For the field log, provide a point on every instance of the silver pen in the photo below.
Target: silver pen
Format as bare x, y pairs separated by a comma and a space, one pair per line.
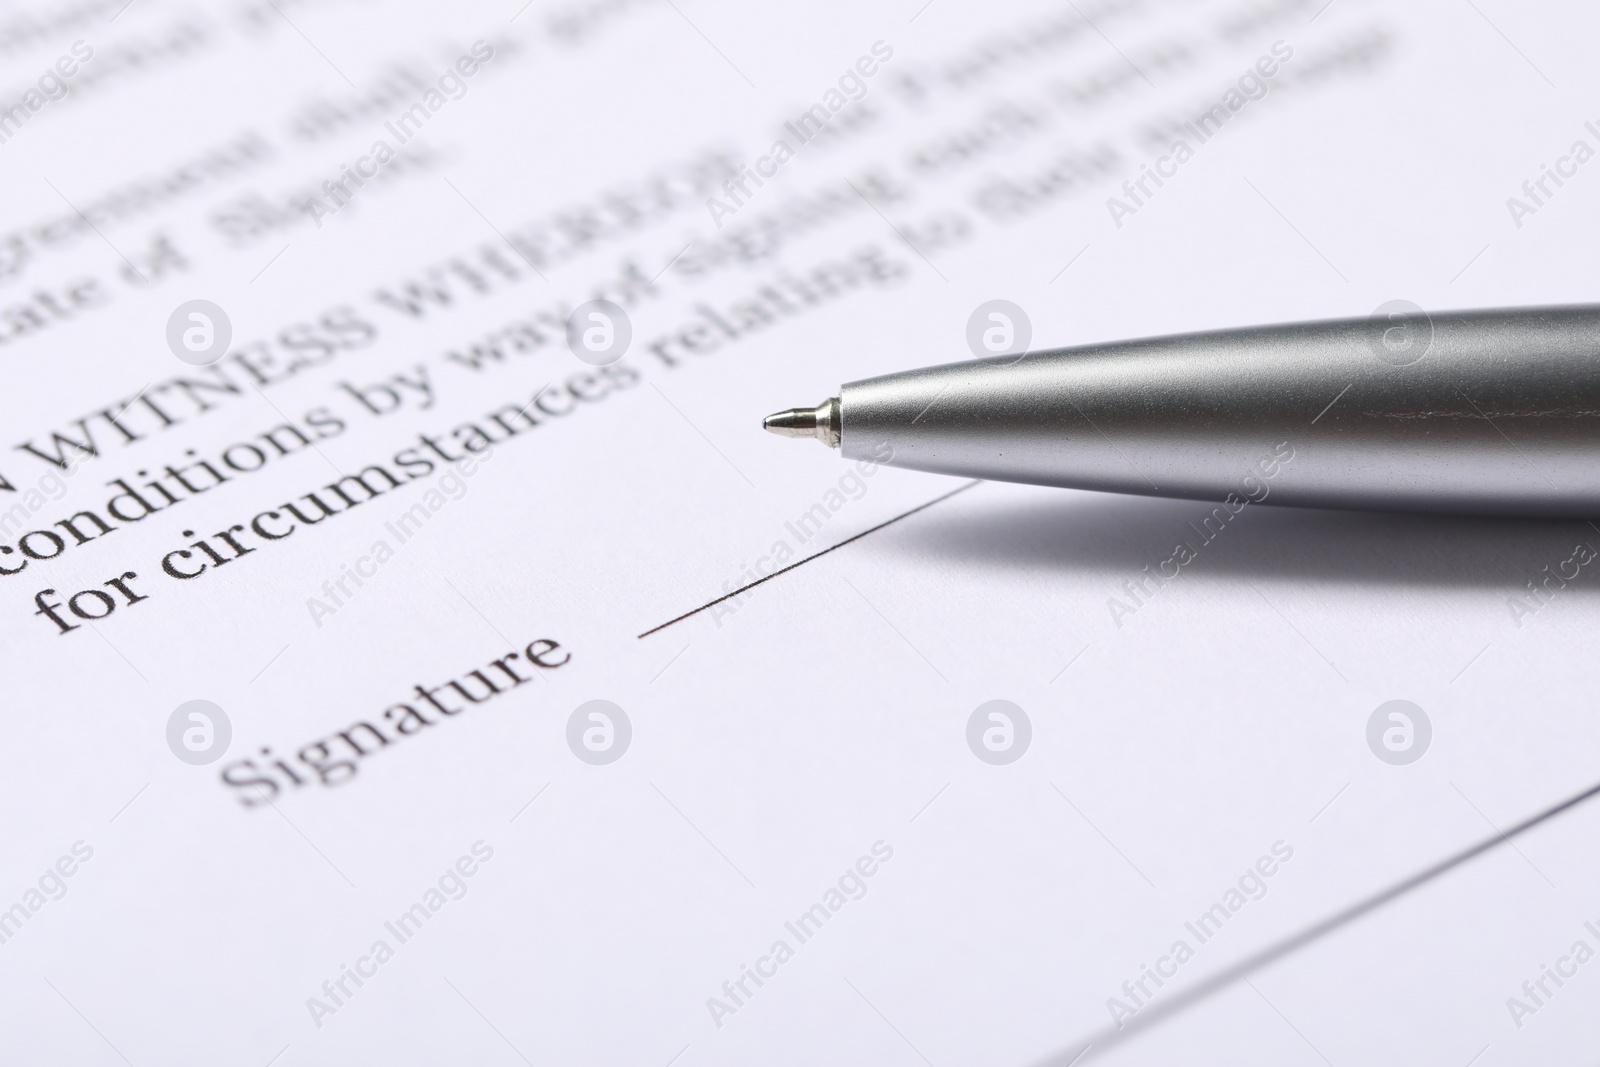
1474, 412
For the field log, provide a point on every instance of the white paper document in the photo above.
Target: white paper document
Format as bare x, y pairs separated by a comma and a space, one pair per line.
416, 652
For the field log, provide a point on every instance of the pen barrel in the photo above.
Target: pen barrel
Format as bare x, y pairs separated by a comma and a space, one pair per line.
1487, 412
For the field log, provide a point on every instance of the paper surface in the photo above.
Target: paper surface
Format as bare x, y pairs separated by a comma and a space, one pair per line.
797, 831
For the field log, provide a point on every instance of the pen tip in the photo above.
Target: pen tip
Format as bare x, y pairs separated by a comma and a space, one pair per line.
820, 422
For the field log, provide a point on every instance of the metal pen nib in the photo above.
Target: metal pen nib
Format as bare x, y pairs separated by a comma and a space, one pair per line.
821, 422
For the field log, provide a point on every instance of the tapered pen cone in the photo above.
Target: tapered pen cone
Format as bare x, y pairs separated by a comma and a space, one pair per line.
820, 422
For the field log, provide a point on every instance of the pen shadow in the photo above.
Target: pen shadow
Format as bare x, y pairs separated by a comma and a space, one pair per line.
1100, 532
